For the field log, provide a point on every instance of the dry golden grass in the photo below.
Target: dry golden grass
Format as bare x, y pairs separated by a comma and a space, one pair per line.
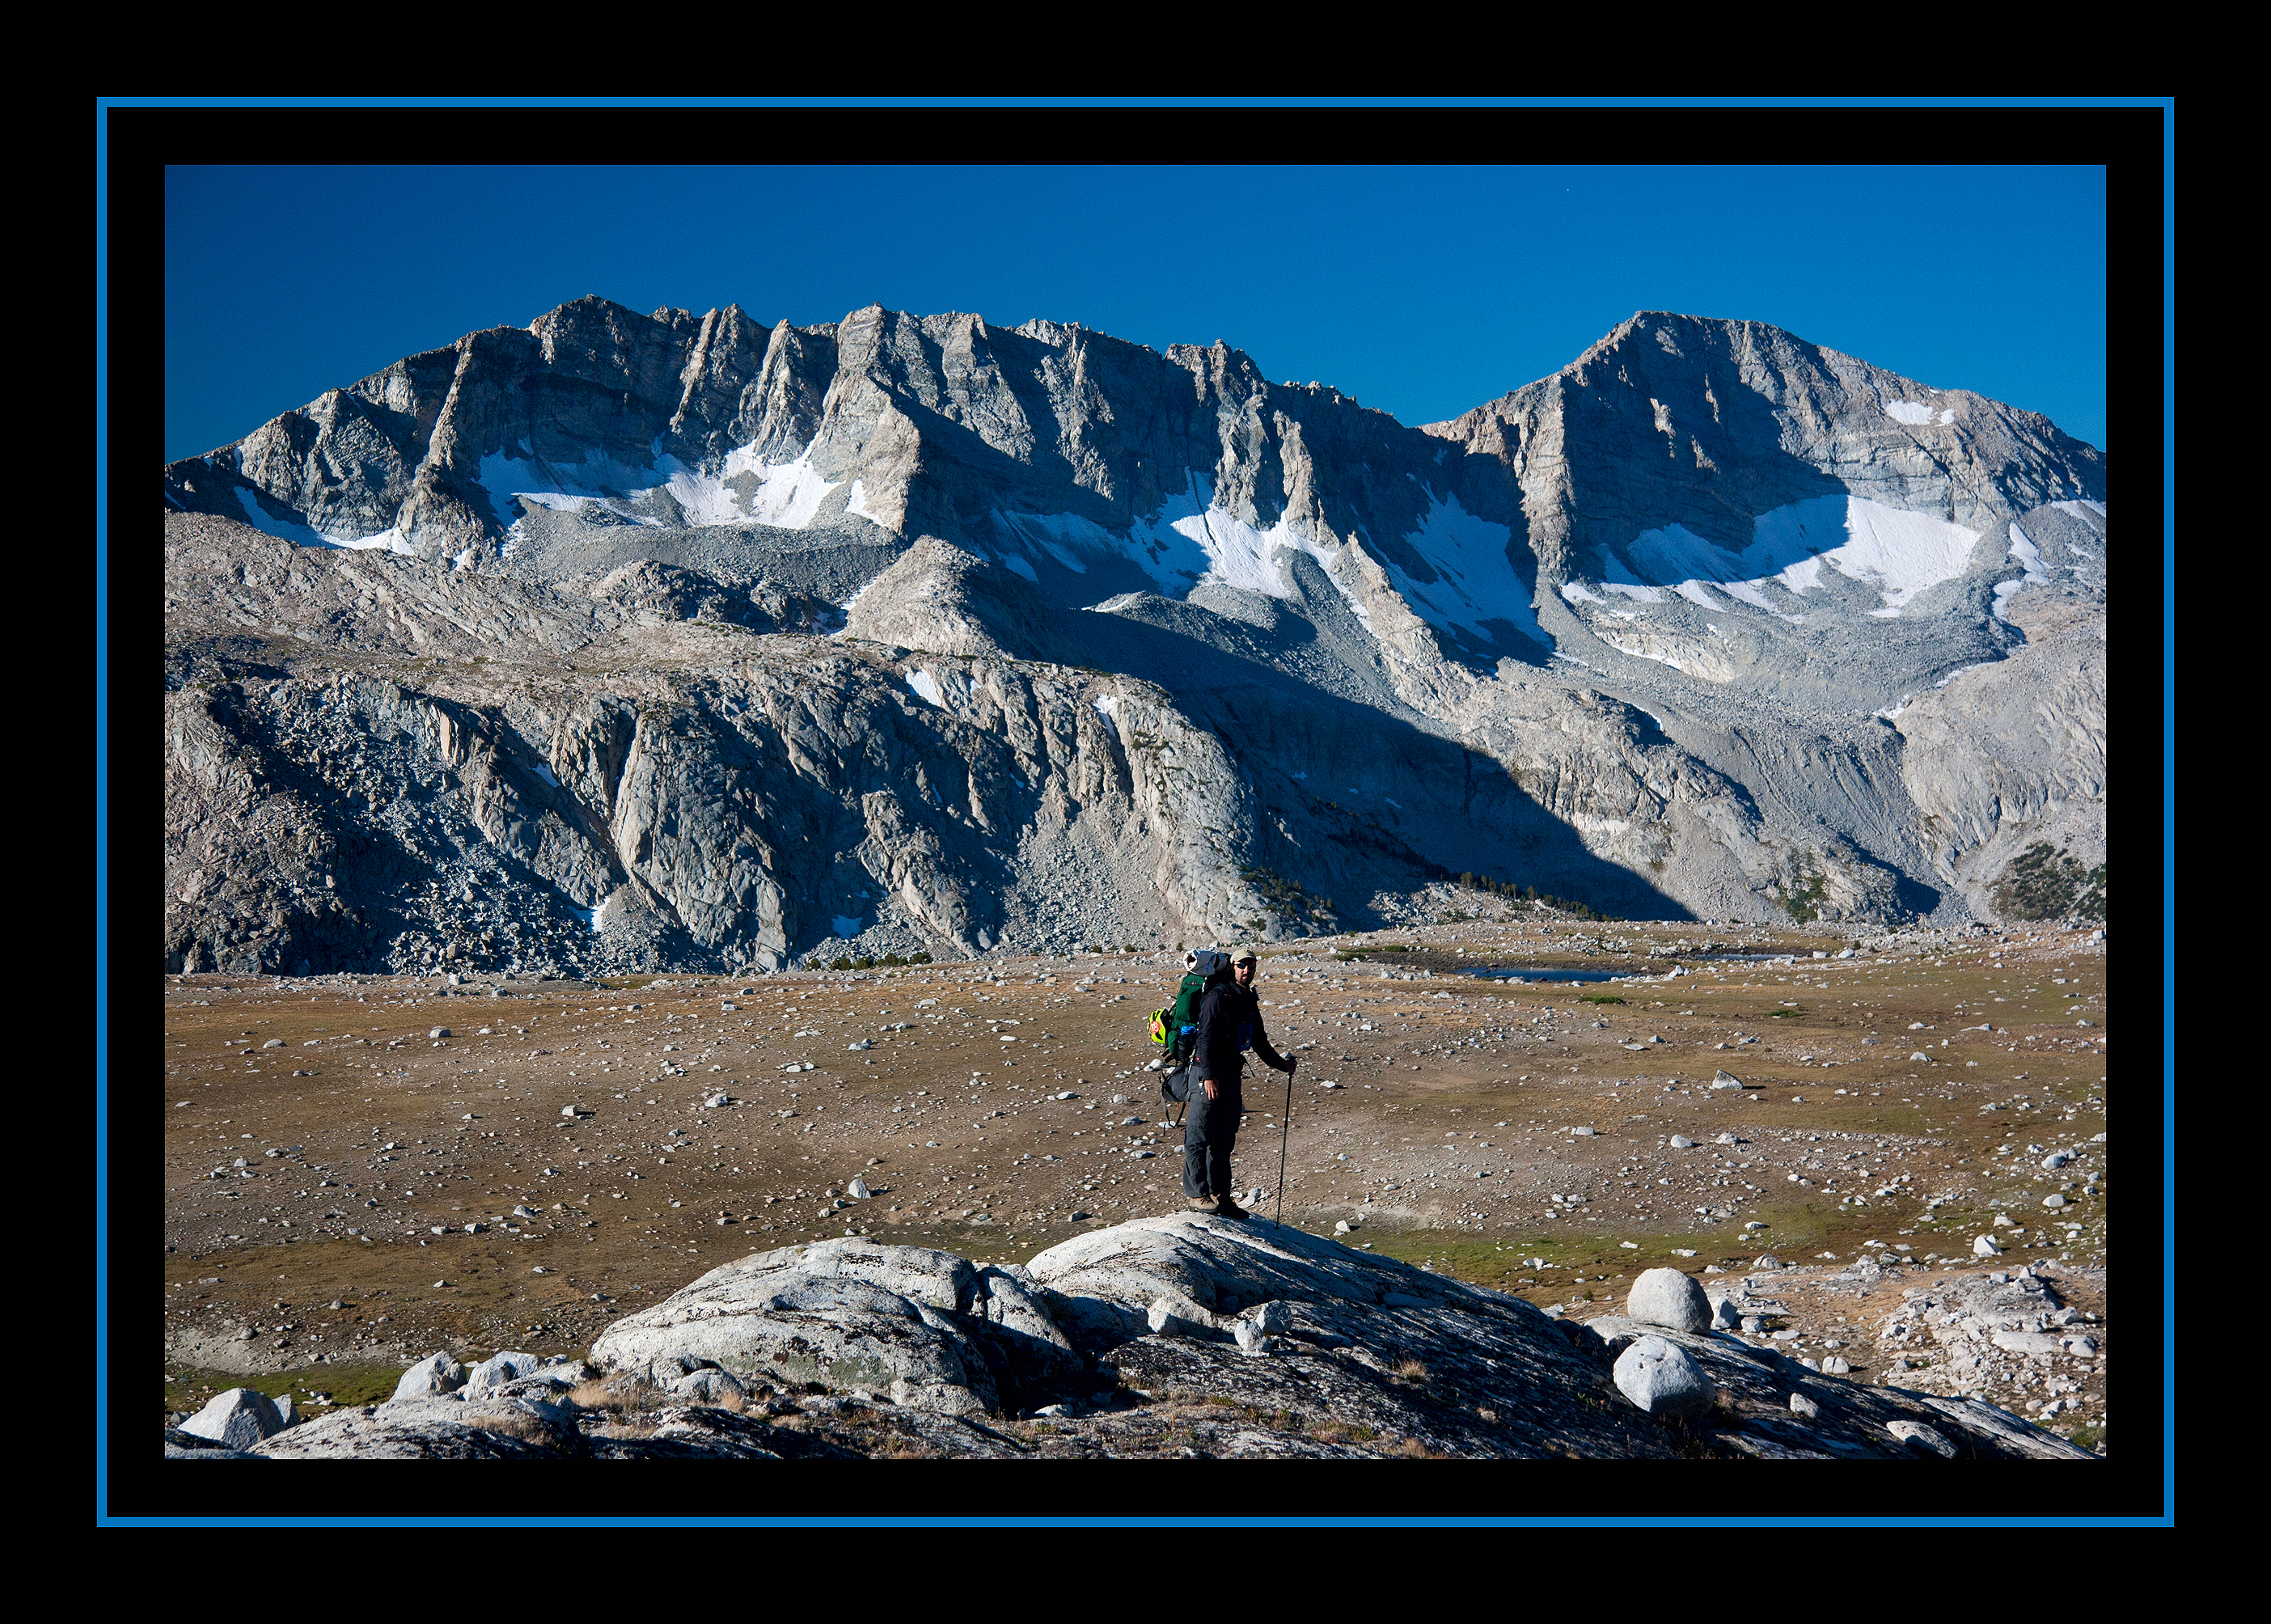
624, 1395
1412, 1371
512, 1424
1416, 1450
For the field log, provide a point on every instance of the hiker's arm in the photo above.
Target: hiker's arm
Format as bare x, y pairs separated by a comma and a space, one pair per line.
1206, 1042
1268, 1055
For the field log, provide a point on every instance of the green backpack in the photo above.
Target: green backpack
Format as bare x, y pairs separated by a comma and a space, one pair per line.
1174, 1027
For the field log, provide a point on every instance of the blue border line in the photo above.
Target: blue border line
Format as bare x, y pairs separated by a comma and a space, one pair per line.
102, 804
1226, 103
2169, 806
1145, 1522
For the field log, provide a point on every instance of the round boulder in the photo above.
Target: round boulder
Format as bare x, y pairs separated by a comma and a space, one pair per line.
1669, 1298
1661, 1378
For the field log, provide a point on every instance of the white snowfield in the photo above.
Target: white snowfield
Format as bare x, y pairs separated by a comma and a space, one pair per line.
1916, 412
1189, 540
1899, 554
927, 686
784, 495
305, 535
1192, 540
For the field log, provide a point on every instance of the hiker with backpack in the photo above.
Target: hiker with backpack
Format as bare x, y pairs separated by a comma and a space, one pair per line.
1229, 1023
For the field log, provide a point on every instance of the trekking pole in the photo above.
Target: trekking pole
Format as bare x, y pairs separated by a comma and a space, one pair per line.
1284, 1131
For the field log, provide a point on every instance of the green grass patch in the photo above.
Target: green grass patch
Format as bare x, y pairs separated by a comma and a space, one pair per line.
2089, 1437
188, 1388
1599, 998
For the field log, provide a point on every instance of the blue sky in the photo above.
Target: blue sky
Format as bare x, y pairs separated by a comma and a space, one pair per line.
1421, 291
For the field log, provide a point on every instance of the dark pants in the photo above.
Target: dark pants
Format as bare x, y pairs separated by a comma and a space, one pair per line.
1209, 1133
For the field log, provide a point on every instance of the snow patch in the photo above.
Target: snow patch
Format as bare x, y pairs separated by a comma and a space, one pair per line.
1478, 582
1191, 540
1900, 554
1048, 535
1111, 720
1019, 563
305, 535
927, 686
858, 504
1911, 412
785, 495
2029, 559
1960, 670
544, 771
1616, 578
2027, 555
1576, 594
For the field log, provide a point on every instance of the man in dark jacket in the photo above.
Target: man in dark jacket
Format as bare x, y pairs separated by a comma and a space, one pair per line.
1230, 1023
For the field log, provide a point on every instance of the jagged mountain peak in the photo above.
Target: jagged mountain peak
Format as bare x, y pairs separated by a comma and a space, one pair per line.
1647, 631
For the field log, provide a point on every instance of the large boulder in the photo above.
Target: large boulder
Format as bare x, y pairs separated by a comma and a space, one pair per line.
845, 1314
1667, 1297
237, 1420
498, 1369
1660, 1377
434, 1374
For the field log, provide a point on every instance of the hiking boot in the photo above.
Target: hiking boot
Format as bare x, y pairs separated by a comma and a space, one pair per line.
1202, 1204
1229, 1208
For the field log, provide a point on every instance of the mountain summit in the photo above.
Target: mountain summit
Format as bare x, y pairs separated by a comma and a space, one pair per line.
1108, 641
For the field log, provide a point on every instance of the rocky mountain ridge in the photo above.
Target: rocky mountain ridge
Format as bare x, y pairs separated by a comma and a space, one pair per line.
625, 640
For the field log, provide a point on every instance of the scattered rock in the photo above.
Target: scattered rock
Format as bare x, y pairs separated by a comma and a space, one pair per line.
1670, 1298
437, 1373
238, 1418
1659, 1377
496, 1371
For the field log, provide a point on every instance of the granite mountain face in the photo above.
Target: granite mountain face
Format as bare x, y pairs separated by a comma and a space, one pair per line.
627, 640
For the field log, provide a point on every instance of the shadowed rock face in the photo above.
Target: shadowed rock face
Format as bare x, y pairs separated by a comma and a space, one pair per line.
1161, 1337
1312, 1348
628, 641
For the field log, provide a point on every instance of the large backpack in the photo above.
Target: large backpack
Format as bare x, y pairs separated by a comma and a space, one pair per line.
1176, 1027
